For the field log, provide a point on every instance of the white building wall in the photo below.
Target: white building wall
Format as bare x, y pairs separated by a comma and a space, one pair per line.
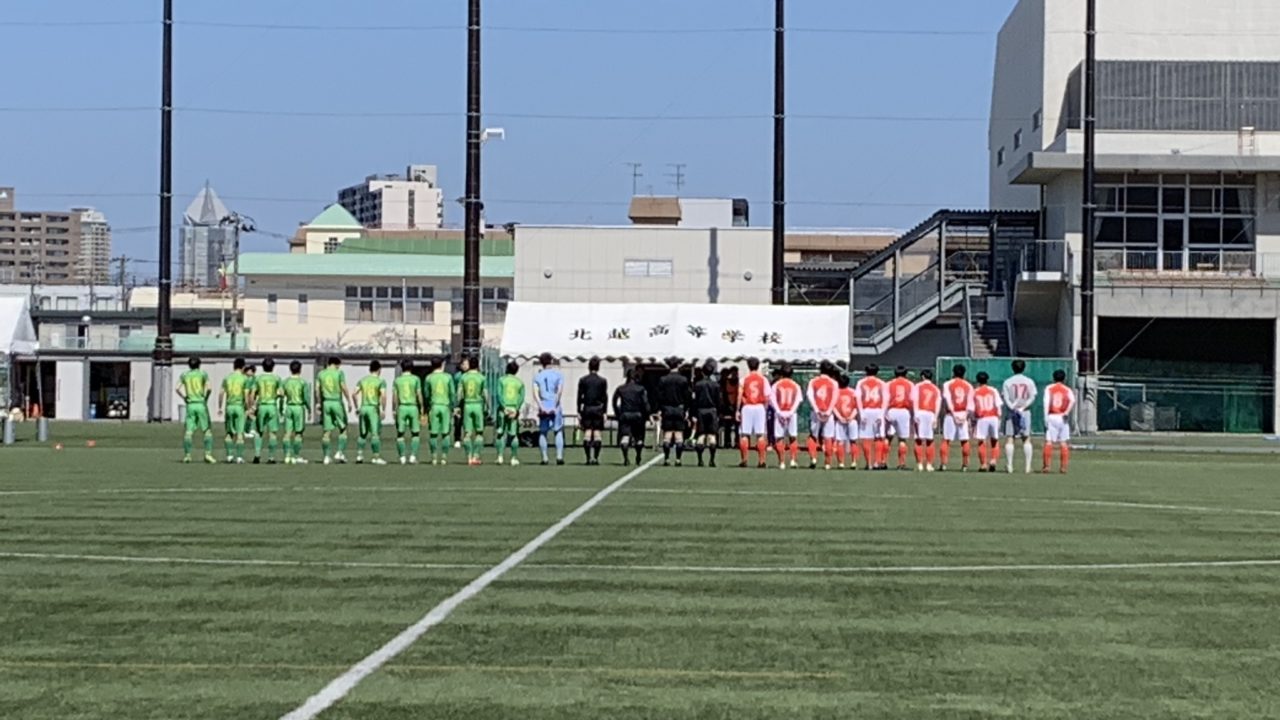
71, 397
590, 264
1017, 95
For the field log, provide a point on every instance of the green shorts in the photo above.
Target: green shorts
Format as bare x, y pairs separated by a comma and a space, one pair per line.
196, 418
441, 419
235, 420
473, 417
268, 419
509, 421
370, 420
295, 419
408, 420
333, 415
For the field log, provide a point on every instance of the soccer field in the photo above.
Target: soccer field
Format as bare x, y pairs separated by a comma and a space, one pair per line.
1142, 585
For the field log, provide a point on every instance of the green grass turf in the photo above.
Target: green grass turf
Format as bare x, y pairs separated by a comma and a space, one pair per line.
647, 635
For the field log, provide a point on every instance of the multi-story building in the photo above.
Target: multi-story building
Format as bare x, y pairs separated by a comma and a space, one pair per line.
37, 246
397, 202
205, 243
95, 246
1187, 261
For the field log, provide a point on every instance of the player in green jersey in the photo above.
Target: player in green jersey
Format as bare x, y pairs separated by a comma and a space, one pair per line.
372, 390
233, 403
511, 401
296, 393
266, 405
251, 404
193, 388
331, 387
408, 409
473, 403
441, 395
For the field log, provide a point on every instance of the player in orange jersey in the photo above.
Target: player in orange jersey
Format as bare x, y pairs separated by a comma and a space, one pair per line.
1059, 400
957, 393
898, 416
926, 405
873, 400
785, 400
822, 394
987, 408
753, 398
846, 419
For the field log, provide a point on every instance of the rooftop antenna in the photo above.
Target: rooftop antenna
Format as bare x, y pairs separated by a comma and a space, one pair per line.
677, 175
636, 174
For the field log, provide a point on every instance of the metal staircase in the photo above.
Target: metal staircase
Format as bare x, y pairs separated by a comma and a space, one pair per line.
954, 257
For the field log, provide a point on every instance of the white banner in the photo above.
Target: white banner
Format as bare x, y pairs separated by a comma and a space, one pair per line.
657, 331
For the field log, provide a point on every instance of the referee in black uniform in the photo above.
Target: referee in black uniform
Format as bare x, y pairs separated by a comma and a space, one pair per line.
593, 403
675, 395
631, 408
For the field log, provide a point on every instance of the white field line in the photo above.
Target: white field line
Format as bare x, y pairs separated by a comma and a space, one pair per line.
345, 683
680, 569
297, 489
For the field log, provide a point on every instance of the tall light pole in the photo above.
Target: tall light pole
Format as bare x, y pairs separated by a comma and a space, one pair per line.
162, 357
472, 204
779, 155
1088, 355
238, 224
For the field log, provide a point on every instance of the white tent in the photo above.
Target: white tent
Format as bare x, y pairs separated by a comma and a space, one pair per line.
645, 331
17, 332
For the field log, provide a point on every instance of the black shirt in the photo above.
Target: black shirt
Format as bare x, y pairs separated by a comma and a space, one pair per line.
674, 391
706, 394
631, 399
593, 393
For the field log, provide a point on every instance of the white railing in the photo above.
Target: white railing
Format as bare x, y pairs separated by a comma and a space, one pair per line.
1189, 263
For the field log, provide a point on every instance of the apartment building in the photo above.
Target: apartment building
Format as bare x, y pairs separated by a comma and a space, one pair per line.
37, 246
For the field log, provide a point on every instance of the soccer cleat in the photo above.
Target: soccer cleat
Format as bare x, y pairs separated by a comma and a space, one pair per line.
841, 464
413, 459
742, 464
340, 459
560, 461
210, 460
928, 468
378, 461
457, 445
700, 464
827, 466
328, 460
762, 466
239, 461
515, 462
257, 461
794, 464
679, 462
359, 459
300, 461
271, 461
712, 463
782, 465
546, 462
501, 460
186, 459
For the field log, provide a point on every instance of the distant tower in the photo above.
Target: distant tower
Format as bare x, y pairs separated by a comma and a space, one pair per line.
204, 242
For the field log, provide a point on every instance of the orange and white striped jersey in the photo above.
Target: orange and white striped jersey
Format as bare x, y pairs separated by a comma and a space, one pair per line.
1058, 400
900, 391
847, 405
959, 396
755, 389
987, 402
927, 398
823, 390
786, 396
873, 394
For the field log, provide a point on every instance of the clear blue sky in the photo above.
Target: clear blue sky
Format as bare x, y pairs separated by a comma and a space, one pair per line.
282, 169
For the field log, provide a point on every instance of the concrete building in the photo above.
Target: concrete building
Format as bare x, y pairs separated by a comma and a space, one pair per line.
689, 212
204, 244
93, 265
397, 202
37, 246
1188, 160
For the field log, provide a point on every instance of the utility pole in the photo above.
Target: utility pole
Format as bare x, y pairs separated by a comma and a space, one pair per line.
779, 154
1088, 355
162, 357
636, 174
677, 175
472, 202
238, 223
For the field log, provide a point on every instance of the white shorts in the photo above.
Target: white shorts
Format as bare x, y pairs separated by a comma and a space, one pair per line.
785, 426
926, 425
753, 421
1017, 423
955, 428
847, 432
1057, 429
987, 428
871, 425
819, 429
898, 423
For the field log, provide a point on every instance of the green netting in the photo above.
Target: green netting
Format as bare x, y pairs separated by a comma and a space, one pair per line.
1161, 395
1038, 369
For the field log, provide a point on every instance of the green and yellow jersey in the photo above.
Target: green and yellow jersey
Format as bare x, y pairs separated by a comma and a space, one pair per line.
371, 389
440, 389
236, 388
195, 386
330, 382
296, 392
408, 388
472, 388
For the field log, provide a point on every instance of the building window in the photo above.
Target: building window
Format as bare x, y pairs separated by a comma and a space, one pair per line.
331, 245
1000, 157
648, 268
394, 304
303, 308
1037, 120
273, 302
1175, 223
420, 305
1017, 139
493, 305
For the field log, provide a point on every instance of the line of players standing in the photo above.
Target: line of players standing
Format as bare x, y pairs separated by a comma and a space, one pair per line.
847, 419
